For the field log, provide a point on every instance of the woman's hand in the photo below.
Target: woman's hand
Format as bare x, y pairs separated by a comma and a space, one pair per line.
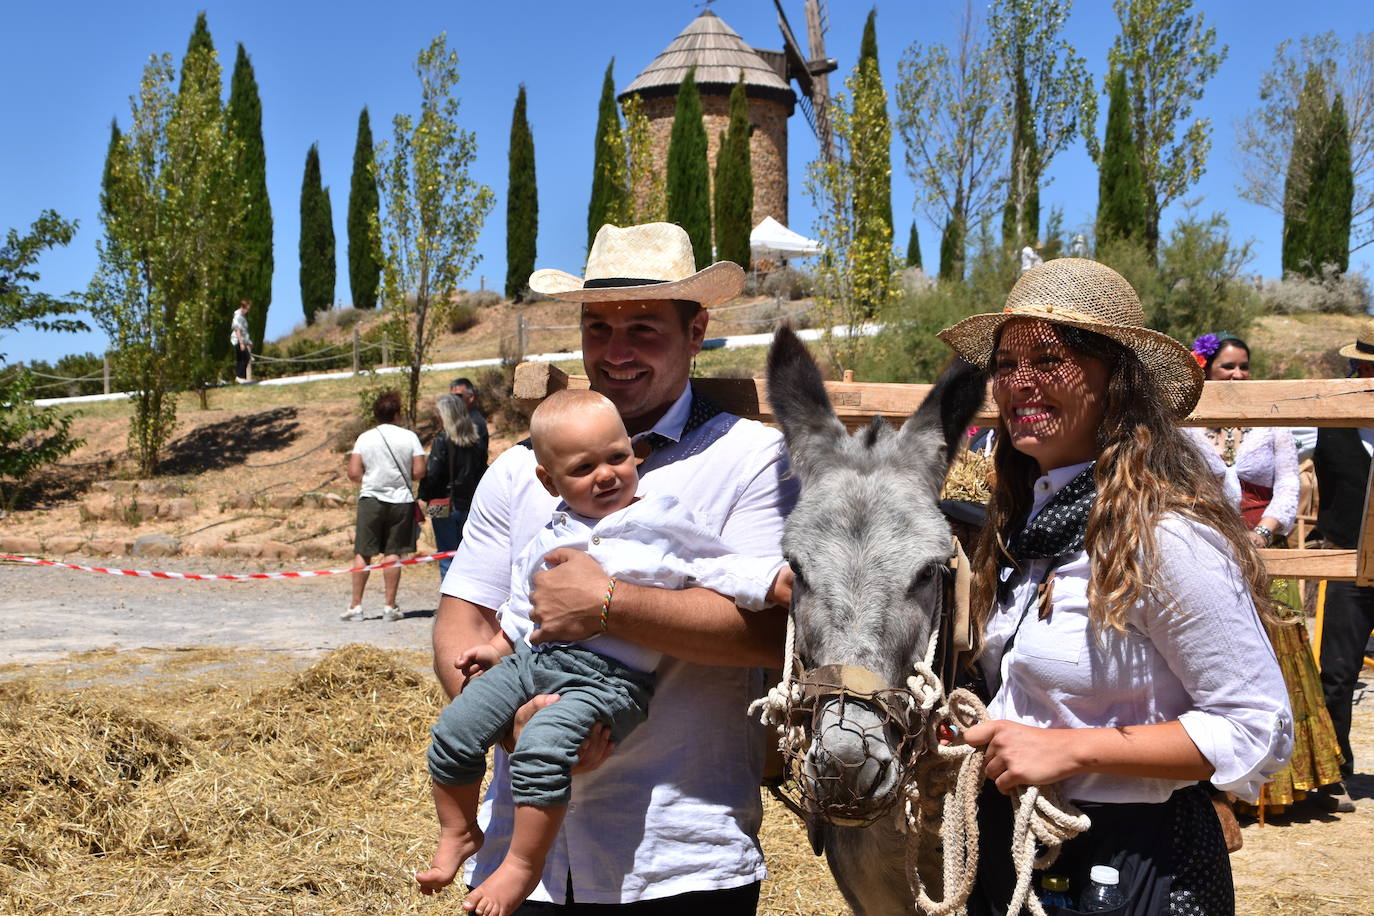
1023, 755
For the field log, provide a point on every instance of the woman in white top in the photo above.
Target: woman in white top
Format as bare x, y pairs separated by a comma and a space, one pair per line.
1116, 593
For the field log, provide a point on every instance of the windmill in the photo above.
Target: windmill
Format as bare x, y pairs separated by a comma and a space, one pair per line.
810, 70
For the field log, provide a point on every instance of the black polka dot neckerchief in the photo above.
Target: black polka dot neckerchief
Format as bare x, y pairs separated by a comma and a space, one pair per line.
1059, 528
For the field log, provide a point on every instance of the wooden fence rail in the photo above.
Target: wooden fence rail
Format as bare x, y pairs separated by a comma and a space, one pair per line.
1319, 402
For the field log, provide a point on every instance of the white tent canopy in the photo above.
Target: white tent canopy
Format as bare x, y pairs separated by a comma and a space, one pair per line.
771, 238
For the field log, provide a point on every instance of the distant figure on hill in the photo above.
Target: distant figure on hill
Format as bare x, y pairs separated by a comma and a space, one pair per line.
242, 341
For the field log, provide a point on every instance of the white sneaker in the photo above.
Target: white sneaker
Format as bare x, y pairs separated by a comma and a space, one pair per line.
391, 612
353, 613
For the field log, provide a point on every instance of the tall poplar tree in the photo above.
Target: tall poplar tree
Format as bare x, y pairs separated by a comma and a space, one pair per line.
250, 273
913, 247
364, 258
734, 184
1121, 208
522, 203
872, 157
317, 240
689, 179
610, 201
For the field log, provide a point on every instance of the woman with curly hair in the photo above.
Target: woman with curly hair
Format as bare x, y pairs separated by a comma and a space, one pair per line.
1118, 599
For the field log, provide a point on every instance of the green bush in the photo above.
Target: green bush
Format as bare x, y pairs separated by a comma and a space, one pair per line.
787, 283
462, 317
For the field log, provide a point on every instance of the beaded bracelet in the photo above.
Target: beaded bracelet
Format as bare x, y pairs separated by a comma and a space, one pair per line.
606, 605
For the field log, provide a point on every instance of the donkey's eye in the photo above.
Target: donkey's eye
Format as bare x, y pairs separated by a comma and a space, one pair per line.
923, 581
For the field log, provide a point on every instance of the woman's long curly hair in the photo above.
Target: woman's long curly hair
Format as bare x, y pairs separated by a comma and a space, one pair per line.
1146, 469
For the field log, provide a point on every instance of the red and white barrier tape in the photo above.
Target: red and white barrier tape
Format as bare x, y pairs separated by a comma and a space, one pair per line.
150, 574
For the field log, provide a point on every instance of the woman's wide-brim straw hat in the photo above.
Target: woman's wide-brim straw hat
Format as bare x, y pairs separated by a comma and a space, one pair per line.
1084, 294
649, 261
1363, 347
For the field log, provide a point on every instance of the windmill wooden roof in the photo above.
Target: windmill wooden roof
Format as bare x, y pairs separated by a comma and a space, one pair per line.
719, 55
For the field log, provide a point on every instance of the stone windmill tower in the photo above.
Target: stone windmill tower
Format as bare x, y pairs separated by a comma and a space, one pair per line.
719, 54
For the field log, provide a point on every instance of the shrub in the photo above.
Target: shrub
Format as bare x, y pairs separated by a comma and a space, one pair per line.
787, 283
462, 317
1331, 293
480, 299
907, 350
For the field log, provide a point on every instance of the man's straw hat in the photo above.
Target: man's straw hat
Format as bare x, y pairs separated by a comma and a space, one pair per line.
1363, 347
650, 261
1085, 294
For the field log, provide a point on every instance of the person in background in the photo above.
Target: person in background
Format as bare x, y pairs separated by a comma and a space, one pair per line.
1342, 460
457, 461
1258, 470
384, 461
1115, 598
466, 390
241, 340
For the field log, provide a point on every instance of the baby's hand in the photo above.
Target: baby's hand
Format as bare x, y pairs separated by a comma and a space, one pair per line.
477, 659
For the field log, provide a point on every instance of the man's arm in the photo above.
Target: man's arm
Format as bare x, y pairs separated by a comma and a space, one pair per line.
458, 626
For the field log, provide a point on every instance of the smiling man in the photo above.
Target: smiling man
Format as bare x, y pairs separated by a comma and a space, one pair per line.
668, 823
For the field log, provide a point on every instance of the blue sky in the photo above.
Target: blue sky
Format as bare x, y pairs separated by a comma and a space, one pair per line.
69, 67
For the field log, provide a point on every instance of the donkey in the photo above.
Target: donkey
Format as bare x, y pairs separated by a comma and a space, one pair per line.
870, 549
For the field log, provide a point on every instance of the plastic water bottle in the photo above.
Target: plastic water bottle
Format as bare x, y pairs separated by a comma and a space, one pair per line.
1054, 891
1102, 893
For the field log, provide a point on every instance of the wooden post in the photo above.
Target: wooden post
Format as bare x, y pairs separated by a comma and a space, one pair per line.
848, 376
386, 351
357, 365
521, 335
107, 373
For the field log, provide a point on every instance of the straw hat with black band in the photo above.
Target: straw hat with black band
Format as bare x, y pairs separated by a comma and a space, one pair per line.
1088, 295
1363, 347
649, 261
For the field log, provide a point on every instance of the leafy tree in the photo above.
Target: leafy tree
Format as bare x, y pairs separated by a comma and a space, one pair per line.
522, 203
875, 185
364, 260
689, 177
1265, 135
432, 211
648, 195
610, 195
1201, 285
953, 120
734, 184
1121, 186
1307, 162
913, 247
317, 271
171, 212
1331, 191
1051, 97
108, 174
1168, 54
252, 265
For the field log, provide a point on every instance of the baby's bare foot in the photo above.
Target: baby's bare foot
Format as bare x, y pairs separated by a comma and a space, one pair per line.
503, 892
455, 846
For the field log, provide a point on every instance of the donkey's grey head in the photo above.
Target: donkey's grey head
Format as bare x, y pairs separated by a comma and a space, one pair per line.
869, 547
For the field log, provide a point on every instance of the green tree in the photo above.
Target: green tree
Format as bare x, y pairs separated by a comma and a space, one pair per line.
317, 273
689, 177
522, 203
1323, 230
610, 201
1120, 185
913, 247
1306, 162
648, 195
875, 184
953, 118
31, 436
1265, 136
364, 260
734, 184
1201, 285
252, 265
108, 175
432, 211
171, 214
1168, 54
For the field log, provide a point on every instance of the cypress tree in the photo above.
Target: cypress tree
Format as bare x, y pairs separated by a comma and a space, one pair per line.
252, 265
107, 177
952, 251
610, 196
200, 40
364, 258
1306, 167
1023, 166
913, 248
317, 240
1331, 195
1121, 184
734, 184
522, 203
875, 187
689, 180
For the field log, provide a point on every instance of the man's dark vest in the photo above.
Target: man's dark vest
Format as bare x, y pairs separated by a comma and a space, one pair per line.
1342, 475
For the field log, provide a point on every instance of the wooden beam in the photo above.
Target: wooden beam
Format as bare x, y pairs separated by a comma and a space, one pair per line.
1310, 564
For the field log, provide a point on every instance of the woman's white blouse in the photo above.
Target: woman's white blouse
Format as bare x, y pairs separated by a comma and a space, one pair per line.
1204, 660
1267, 457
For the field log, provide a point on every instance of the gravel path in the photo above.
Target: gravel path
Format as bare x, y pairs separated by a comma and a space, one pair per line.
47, 613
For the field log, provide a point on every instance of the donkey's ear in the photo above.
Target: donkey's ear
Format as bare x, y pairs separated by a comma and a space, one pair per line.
800, 404
950, 407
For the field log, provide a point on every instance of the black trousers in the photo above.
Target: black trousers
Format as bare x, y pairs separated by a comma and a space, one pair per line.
241, 355
733, 901
1345, 632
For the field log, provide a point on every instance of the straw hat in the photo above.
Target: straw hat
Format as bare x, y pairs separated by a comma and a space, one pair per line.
1085, 294
1363, 347
650, 261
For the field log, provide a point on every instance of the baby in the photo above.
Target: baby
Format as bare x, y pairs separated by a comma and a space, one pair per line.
584, 457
